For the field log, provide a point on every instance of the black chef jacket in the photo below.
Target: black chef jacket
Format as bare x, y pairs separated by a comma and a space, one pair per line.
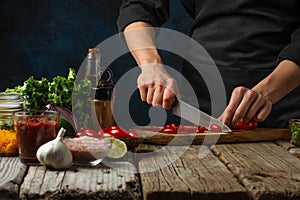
245, 38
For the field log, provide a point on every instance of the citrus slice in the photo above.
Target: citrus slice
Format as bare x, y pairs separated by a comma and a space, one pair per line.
118, 148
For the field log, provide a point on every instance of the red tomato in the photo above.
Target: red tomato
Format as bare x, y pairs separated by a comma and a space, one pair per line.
201, 129
132, 134
180, 128
253, 124
246, 126
105, 135
85, 131
215, 127
103, 130
117, 131
169, 128
188, 129
239, 125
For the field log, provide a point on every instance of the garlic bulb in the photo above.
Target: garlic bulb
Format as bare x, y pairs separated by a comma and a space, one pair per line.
55, 154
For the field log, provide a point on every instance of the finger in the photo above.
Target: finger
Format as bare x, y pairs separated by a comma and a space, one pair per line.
168, 97
242, 109
236, 98
150, 93
143, 92
158, 95
253, 109
221, 118
263, 113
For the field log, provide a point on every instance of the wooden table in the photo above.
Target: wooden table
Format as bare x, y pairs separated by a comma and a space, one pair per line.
256, 170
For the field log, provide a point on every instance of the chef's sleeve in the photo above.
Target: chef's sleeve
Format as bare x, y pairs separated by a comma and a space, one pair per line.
155, 12
292, 50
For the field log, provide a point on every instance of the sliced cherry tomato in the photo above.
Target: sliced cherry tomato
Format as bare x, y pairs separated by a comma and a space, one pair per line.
155, 128
239, 125
180, 128
246, 126
105, 135
174, 125
132, 134
169, 128
215, 127
201, 129
103, 130
85, 131
80, 134
190, 129
253, 124
117, 131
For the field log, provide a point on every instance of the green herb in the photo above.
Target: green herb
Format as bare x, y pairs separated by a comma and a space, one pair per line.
295, 132
81, 105
39, 93
60, 90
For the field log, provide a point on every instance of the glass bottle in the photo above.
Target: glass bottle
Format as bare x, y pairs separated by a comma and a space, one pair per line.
102, 103
93, 66
102, 90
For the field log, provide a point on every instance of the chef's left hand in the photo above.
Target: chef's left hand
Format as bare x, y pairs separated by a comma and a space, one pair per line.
246, 104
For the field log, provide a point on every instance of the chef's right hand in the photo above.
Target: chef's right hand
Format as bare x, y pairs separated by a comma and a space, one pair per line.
156, 86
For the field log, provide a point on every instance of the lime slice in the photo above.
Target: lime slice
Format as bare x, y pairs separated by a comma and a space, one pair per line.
118, 148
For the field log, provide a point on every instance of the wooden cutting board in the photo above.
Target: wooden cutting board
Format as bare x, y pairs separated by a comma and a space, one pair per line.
181, 138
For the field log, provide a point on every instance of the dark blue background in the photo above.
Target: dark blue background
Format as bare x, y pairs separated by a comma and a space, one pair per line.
45, 38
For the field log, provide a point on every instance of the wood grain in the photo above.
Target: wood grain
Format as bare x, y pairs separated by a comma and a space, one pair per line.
80, 183
259, 134
265, 169
12, 172
188, 176
287, 145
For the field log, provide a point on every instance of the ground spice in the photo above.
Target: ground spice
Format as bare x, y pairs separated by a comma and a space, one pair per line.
8, 142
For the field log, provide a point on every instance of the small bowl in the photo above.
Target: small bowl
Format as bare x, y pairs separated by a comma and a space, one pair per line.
87, 151
294, 127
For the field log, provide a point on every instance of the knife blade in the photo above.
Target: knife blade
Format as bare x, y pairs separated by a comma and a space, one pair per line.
196, 116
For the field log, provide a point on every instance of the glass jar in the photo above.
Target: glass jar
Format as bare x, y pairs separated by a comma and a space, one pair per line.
294, 127
9, 103
34, 129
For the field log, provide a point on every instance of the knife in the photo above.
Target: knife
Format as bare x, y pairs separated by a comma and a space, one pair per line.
196, 116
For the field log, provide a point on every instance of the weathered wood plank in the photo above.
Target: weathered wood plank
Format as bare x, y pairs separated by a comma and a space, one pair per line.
101, 182
188, 176
259, 134
266, 170
80, 182
12, 172
287, 145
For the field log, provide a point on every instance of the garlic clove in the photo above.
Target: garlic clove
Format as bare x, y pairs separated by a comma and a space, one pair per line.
55, 154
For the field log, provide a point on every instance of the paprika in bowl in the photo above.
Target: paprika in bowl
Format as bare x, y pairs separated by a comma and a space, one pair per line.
34, 128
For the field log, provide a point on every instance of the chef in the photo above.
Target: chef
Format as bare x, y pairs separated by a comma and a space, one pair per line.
254, 44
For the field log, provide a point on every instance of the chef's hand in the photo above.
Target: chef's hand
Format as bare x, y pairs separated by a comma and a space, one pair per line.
245, 105
156, 86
